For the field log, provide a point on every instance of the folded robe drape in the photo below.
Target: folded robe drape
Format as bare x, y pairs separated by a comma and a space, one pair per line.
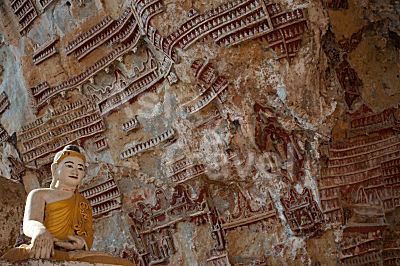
72, 216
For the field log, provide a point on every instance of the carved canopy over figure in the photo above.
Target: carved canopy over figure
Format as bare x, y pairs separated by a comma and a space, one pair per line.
59, 219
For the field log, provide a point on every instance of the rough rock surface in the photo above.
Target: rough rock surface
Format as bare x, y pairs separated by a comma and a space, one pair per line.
243, 132
12, 209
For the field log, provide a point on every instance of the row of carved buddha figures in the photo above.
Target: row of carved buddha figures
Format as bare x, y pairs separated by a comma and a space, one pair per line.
59, 219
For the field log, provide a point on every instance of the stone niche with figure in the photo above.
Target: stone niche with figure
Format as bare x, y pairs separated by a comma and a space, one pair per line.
230, 132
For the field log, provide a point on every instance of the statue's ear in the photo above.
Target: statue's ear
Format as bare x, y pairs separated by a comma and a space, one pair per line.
54, 169
54, 175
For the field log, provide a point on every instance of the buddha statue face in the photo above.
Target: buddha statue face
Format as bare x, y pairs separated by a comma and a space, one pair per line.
70, 171
68, 168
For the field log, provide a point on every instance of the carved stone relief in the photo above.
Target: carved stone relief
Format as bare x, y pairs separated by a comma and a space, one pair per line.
210, 86
348, 45
126, 89
349, 81
43, 92
179, 149
366, 244
43, 4
302, 212
104, 197
64, 125
153, 225
184, 170
337, 4
130, 125
360, 178
3, 134
45, 50
281, 147
140, 147
217, 257
108, 30
25, 12
243, 212
4, 102
235, 22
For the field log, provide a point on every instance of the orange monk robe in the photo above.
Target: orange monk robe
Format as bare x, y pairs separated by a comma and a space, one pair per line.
72, 216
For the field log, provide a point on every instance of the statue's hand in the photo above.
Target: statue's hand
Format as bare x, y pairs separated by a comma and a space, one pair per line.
42, 245
74, 243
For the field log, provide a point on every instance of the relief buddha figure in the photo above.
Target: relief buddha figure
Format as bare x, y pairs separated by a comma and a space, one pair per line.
59, 219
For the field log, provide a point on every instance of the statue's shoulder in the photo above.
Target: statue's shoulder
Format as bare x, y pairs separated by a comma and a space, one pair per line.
46, 189
42, 193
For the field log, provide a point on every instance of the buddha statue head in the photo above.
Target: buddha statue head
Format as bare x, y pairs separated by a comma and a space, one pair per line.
68, 168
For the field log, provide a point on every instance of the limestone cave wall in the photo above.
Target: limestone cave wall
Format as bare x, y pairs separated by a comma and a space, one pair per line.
217, 132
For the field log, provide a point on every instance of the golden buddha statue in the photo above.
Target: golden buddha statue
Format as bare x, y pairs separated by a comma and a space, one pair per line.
59, 219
